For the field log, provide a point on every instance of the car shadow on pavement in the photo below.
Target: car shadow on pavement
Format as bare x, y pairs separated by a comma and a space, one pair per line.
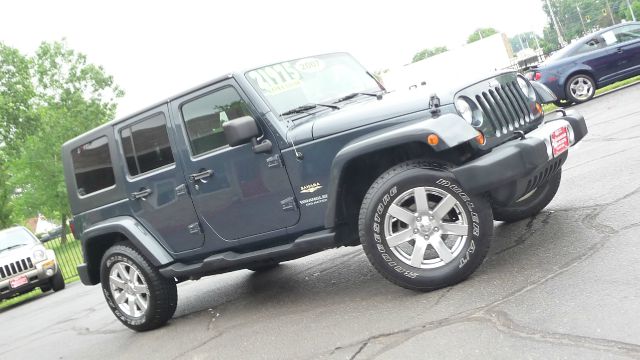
21, 303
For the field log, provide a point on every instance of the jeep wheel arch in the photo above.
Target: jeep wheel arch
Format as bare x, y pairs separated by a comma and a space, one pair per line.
101, 236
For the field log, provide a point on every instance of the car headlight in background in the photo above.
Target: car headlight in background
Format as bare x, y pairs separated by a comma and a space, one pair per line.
527, 89
39, 255
469, 111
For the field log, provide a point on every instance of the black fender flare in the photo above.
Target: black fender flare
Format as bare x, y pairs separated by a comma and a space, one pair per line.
131, 229
451, 128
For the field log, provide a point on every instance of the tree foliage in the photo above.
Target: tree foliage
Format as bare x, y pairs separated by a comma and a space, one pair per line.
480, 34
67, 96
577, 18
426, 53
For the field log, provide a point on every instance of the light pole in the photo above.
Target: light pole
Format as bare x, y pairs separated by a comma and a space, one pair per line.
555, 24
584, 28
613, 21
631, 9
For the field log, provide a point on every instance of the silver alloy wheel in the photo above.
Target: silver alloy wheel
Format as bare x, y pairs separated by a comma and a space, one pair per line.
426, 227
581, 88
129, 289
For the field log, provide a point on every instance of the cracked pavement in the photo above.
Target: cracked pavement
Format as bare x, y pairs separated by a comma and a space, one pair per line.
563, 284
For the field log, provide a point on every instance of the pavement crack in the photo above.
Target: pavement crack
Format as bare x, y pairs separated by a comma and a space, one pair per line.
503, 323
567, 168
364, 345
528, 232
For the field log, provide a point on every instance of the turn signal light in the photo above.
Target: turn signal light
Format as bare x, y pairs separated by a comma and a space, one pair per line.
433, 139
538, 108
480, 139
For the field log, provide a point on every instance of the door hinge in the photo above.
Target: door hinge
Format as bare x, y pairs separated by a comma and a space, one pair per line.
288, 204
194, 228
274, 161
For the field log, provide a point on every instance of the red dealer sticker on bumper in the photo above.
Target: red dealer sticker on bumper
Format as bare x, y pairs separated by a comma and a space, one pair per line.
19, 281
560, 141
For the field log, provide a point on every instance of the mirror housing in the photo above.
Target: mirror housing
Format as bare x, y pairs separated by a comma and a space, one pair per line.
243, 130
240, 131
545, 95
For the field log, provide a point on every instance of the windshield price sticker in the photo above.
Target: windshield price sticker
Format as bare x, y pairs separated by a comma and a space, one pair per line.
310, 65
277, 78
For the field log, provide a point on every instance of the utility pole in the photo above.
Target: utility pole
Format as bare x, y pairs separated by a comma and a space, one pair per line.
613, 21
584, 28
631, 9
555, 25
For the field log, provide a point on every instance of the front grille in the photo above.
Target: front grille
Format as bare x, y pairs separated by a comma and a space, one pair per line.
505, 108
15, 267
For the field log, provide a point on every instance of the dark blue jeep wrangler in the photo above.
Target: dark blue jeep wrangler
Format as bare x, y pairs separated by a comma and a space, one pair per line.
272, 164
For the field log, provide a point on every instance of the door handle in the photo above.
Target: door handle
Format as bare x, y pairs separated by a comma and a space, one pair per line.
200, 175
142, 194
619, 50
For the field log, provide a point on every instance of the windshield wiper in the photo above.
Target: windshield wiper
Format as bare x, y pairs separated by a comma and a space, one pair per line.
307, 107
352, 95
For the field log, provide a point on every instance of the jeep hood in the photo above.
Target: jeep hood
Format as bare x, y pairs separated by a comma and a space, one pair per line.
362, 112
16, 254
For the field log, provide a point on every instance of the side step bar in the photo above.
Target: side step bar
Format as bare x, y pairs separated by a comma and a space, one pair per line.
230, 260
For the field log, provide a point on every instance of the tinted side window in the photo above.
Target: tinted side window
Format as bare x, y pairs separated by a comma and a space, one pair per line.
204, 117
627, 33
146, 145
593, 44
92, 166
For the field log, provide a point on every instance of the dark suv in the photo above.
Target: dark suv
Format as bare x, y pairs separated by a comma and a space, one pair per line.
259, 167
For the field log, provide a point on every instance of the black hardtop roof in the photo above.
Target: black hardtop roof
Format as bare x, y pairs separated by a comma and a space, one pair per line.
111, 123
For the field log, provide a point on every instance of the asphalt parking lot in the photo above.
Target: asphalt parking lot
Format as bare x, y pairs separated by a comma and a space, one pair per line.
565, 284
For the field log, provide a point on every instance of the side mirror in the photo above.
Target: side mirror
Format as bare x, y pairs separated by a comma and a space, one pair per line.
545, 95
243, 130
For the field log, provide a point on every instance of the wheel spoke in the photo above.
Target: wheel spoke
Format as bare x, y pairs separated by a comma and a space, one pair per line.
140, 289
420, 196
121, 297
401, 214
417, 256
132, 274
141, 303
132, 307
454, 229
444, 206
400, 238
441, 248
119, 283
122, 272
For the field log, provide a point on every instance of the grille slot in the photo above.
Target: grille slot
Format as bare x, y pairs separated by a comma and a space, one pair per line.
15, 267
505, 107
542, 176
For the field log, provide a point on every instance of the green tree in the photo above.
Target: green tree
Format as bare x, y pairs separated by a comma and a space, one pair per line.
423, 54
526, 39
625, 13
481, 34
71, 97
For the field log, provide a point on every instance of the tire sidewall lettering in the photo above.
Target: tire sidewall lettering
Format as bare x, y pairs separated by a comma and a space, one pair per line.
110, 261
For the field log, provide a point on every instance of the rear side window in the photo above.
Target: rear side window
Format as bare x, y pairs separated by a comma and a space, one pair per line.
146, 145
92, 166
204, 117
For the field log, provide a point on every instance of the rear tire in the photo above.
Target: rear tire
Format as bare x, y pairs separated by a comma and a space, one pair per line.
420, 230
57, 281
530, 204
136, 293
580, 88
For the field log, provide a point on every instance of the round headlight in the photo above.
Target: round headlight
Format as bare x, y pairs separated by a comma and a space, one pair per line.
527, 89
464, 108
39, 255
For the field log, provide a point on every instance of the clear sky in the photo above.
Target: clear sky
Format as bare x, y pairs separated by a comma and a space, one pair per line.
155, 49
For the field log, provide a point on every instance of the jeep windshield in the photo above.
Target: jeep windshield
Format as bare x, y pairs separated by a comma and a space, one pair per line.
14, 238
303, 83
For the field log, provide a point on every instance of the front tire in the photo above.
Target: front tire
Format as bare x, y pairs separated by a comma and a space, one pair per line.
421, 230
530, 204
136, 293
57, 281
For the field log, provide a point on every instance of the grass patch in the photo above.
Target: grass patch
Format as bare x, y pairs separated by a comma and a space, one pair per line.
617, 85
18, 299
